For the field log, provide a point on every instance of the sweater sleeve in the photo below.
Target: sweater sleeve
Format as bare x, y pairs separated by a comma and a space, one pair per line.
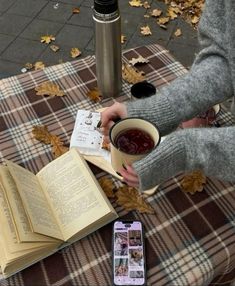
207, 83
208, 149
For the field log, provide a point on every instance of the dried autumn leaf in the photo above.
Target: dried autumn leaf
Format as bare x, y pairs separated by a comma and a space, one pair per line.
146, 5
145, 30
178, 33
171, 14
54, 48
108, 186
193, 182
123, 39
105, 146
94, 94
136, 3
75, 52
58, 147
130, 199
138, 60
156, 13
195, 20
41, 133
39, 66
131, 75
163, 20
47, 39
49, 88
28, 66
76, 10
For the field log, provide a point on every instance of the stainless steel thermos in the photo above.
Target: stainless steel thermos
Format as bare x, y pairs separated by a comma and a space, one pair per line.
108, 47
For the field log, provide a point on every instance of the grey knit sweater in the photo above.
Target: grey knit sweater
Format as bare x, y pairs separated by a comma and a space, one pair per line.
211, 80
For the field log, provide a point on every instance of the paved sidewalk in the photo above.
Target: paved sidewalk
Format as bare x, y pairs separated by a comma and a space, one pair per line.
23, 22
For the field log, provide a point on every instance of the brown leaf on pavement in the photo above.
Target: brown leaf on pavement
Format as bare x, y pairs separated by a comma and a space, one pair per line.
163, 20
47, 39
132, 75
193, 182
136, 3
130, 199
28, 66
49, 88
156, 13
76, 10
75, 52
145, 30
146, 5
178, 33
123, 39
54, 48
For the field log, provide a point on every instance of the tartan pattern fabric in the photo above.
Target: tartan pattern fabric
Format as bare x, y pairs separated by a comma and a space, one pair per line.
191, 238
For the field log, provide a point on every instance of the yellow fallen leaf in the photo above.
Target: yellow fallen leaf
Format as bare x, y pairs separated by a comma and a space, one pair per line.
123, 39
193, 182
132, 75
28, 66
146, 5
171, 14
94, 94
47, 39
75, 52
108, 186
178, 33
54, 48
130, 199
49, 88
39, 66
136, 3
163, 20
145, 30
156, 13
195, 20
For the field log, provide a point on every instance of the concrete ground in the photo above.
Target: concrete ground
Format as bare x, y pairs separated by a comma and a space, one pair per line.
23, 22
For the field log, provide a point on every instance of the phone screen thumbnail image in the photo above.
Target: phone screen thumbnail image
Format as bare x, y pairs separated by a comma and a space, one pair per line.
128, 253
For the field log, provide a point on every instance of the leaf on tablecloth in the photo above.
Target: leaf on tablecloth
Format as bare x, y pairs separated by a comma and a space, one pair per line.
41, 133
130, 199
39, 66
136, 3
156, 13
132, 75
75, 52
145, 30
58, 147
94, 94
49, 88
54, 48
193, 182
123, 39
108, 187
76, 10
47, 39
138, 60
178, 33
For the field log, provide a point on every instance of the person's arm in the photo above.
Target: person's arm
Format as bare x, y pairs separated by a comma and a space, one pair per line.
208, 149
207, 83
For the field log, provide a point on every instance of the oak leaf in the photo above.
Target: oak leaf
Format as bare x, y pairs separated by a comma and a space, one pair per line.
193, 182
58, 147
132, 75
171, 14
156, 13
49, 88
94, 94
136, 3
75, 52
138, 60
163, 20
39, 66
108, 186
41, 133
47, 39
178, 33
54, 48
130, 199
145, 30
76, 10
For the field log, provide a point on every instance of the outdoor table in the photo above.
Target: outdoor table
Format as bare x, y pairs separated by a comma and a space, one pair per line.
190, 240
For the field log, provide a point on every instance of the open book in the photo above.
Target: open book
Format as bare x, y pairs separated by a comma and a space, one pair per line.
41, 213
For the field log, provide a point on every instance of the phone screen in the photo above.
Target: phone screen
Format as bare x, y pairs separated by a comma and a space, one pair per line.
128, 253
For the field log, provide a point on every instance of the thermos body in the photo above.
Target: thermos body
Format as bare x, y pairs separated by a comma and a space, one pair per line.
108, 53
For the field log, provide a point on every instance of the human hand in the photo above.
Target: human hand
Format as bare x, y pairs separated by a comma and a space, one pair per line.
130, 176
110, 114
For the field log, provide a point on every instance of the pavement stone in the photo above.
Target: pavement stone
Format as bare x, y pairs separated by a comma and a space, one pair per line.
23, 22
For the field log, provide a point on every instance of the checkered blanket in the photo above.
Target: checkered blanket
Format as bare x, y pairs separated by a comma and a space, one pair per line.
191, 238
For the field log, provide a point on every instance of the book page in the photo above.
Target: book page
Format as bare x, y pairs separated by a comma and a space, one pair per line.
75, 195
18, 214
34, 201
8, 236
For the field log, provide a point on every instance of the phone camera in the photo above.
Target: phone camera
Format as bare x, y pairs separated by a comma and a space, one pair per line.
127, 225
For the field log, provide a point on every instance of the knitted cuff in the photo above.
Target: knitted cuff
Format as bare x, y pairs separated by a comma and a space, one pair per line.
165, 161
157, 109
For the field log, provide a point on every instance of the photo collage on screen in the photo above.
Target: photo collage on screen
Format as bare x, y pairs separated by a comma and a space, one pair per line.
128, 252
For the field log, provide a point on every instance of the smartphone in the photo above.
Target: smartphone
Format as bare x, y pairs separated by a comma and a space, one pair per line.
128, 253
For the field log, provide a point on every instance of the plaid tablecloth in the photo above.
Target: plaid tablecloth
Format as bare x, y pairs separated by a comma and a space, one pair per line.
191, 238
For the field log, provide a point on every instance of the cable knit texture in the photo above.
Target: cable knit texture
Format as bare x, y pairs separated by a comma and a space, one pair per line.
211, 80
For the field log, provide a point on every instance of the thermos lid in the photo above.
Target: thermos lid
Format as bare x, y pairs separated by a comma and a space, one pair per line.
105, 6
